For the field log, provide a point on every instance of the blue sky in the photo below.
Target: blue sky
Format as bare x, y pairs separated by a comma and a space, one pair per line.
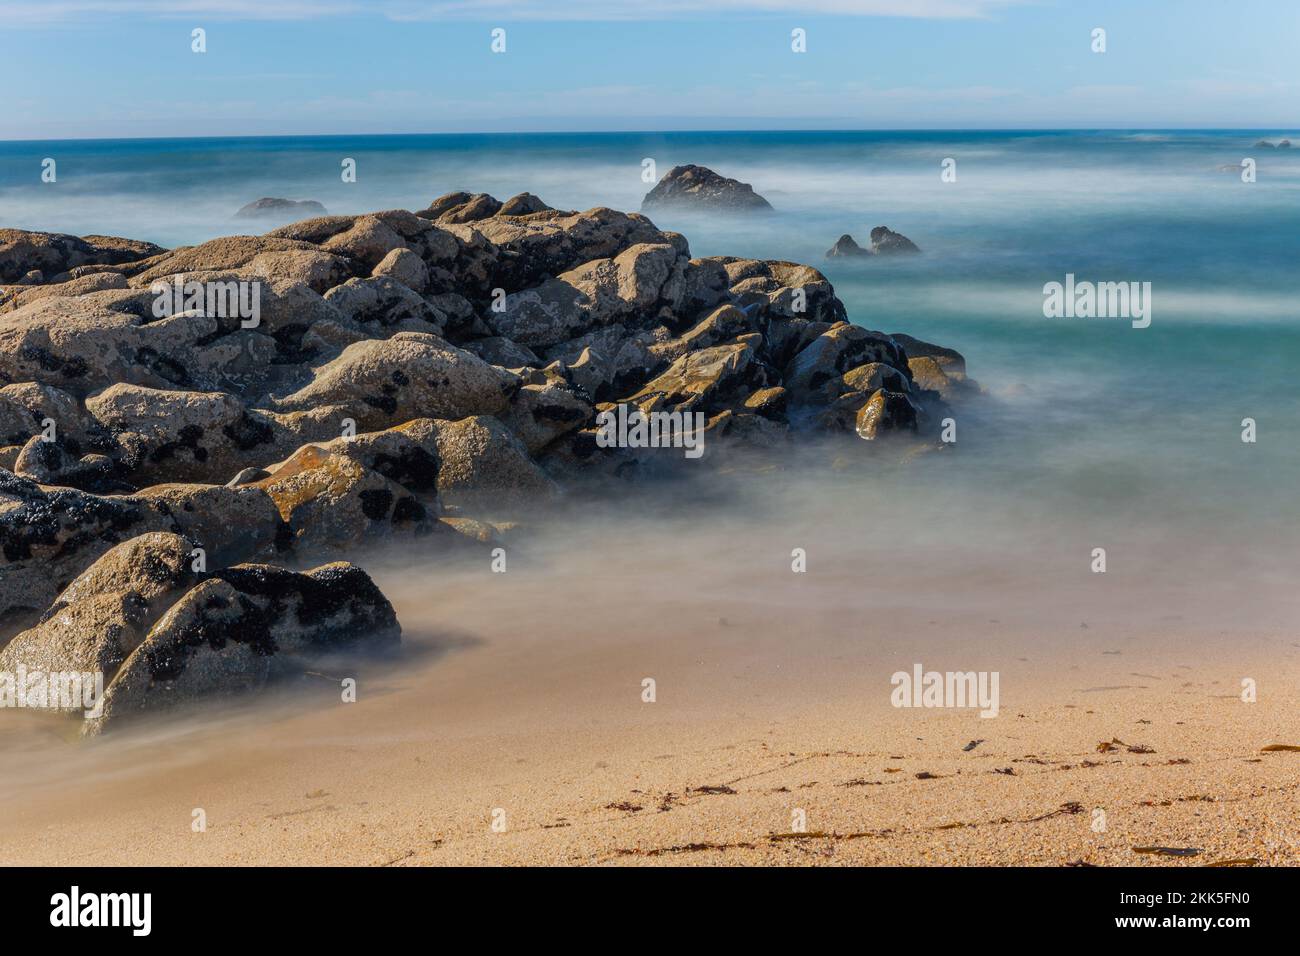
124, 68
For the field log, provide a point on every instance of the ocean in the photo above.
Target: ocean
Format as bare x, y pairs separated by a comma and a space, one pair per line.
1091, 433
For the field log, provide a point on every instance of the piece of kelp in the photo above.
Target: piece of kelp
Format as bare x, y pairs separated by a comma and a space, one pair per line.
1169, 850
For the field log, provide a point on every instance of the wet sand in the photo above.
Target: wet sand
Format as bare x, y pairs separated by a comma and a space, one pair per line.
518, 698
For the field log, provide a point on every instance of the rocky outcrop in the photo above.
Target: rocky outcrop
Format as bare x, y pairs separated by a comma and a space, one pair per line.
698, 187
474, 307
423, 377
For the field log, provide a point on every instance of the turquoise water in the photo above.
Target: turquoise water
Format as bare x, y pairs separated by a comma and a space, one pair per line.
1129, 432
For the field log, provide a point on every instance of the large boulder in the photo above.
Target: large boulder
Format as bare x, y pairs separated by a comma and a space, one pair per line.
95, 282
216, 255
950, 360
50, 535
329, 499
27, 409
368, 240
709, 378
317, 269
230, 524
527, 250
84, 344
406, 454
484, 469
498, 350
173, 435
542, 412
524, 204
102, 616
382, 303
936, 368
242, 628
406, 267
816, 371
413, 374
645, 281
460, 207
52, 254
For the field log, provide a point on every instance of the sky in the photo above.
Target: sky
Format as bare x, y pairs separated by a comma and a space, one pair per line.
125, 68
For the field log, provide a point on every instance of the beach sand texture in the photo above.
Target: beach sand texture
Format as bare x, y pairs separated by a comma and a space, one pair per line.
522, 693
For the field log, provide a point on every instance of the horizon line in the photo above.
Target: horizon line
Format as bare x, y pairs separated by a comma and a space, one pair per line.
663, 132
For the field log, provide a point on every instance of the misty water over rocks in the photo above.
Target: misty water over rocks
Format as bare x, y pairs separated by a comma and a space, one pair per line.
690, 582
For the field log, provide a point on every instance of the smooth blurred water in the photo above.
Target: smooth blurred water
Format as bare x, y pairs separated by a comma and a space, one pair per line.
1118, 432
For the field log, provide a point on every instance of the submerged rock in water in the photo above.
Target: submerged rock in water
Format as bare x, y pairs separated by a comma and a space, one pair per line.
280, 209
845, 247
884, 242
699, 187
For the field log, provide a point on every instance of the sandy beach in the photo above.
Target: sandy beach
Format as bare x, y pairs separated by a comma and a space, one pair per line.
518, 698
